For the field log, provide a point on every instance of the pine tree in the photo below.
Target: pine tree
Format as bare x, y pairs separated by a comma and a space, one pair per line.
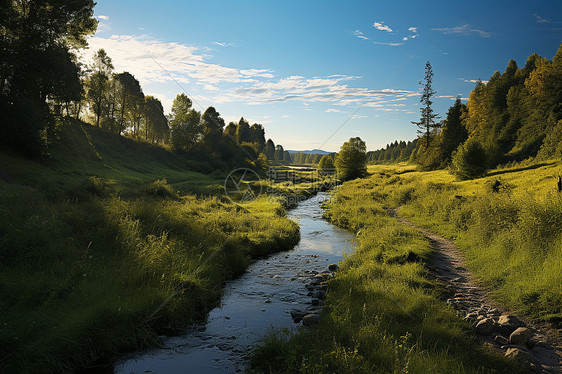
427, 121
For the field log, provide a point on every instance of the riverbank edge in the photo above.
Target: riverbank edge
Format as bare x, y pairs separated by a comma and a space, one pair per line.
288, 201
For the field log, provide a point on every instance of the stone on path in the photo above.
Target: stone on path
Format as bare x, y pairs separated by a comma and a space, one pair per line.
485, 326
520, 336
518, 354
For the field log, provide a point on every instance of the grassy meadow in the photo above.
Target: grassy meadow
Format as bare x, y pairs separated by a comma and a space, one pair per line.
509, 225
112, 241
386, 314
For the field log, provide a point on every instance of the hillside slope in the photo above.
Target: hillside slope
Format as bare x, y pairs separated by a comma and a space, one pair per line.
98, 253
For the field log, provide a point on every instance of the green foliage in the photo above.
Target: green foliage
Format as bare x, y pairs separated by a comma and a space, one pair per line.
470, 160
393, 152
185, 125
161, 188
351, 159
326, 163
37, 63
453, 132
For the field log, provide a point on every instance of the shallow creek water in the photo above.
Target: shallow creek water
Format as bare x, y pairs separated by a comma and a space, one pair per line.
254, 304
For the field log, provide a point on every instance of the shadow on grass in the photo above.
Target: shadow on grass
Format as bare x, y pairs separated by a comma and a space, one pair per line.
523, 168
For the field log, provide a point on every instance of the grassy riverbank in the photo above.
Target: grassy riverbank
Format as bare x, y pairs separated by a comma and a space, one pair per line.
509, 224
384, 312
105, 245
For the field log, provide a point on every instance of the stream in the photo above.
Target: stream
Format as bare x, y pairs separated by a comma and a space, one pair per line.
259, 301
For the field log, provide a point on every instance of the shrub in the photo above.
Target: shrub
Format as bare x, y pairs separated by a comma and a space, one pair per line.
95, 186
160, 188
469, 160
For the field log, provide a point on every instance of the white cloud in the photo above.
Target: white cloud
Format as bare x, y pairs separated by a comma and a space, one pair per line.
360, 35
389, 44
539, 19
332, 110
285, 116
413, 29
405, 38
472, 81
381, 26
225, 44
463, 30
154, 61
105, 18
445, 96
356, 116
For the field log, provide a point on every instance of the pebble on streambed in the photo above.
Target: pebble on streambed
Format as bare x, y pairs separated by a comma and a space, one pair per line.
318, 287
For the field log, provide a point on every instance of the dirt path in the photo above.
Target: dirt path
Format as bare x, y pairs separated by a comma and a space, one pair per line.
471, 301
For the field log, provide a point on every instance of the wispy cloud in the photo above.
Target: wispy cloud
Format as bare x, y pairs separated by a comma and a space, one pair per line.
389, 44
225, 44
105, 18
360, 35
381, 26
472, 80
332, 110
539, 19
357, 116
153, 61
413, 33
463, 30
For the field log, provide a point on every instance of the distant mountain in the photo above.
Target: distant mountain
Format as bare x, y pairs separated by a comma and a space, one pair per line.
312, 152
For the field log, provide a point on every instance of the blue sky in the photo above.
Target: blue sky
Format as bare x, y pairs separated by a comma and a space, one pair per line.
305, 69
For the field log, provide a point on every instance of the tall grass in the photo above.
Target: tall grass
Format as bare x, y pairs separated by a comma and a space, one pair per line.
384, 313
512, 237
97, 258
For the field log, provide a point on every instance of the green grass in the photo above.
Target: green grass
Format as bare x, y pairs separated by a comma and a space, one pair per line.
102, 248
384, 313
512, 238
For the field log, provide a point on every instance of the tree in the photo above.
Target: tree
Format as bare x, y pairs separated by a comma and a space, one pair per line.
470, 160
212, 125
130, 99
326, 164
351, 161
185, 124
257, 135
243, 131
156, 124
98, 84
37, 63
453, 133
279, 153
427, 121
230, 131
270, 149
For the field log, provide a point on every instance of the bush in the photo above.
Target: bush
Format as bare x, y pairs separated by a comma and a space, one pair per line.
469, 160
161, 188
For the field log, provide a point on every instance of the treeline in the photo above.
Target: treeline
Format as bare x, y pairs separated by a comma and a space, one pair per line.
42, 84
514, 116
398, 151
307, 158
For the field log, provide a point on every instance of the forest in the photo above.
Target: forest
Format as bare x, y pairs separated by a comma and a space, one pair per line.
515, 115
